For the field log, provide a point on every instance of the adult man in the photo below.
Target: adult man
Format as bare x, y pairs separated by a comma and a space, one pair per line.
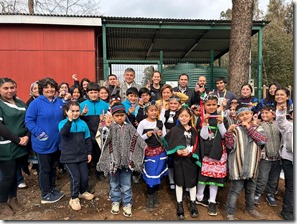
183, 86
112, 84
129, 76
199, 91
221, 92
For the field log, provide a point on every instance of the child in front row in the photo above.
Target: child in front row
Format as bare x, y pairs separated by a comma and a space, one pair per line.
181, 142
121, 154
269, 165
244, 140
76, 150
151, 130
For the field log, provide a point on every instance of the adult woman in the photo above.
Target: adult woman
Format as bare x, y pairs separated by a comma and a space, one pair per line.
155, 87
34, 92
247, 98
13, 139
63, 89
42, 119
282, 95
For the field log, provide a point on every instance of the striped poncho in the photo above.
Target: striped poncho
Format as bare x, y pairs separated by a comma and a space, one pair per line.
245, 151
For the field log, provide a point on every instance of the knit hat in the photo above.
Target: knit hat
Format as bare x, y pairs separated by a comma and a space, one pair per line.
242, 109
118, 108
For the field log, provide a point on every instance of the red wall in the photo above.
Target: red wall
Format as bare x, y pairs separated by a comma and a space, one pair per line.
29, 53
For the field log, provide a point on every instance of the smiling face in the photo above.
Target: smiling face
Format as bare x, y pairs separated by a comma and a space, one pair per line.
76, 94
246, 91
245, 116
75, 111
272, 89
267, 115
220, 85
133, 98
184, 118
103, 94
211, 106
174, 105
35, 90
156, 79
201, 81
145, 97
112, 80
7, 90
166, 94
183, 81
129, 76
49, 91
281, 97
152, 112
93, 95
63, 88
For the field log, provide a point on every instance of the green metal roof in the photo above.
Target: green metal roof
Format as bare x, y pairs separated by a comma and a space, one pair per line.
181, 40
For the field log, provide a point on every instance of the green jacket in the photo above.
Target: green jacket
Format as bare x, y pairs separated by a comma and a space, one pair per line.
12, 118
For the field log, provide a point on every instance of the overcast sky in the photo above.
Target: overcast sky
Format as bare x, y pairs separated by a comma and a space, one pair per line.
180, 9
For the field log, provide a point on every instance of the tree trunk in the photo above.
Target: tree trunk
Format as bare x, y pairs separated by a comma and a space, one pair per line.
31, 6
240, 43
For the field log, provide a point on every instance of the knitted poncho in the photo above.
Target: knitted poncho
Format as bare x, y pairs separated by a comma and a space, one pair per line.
123, 148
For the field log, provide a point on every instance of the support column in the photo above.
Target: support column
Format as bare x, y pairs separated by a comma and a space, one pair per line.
260, 60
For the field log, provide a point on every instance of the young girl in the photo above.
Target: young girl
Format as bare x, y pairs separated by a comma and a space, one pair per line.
76, 150
104, 94
212, 153
169, 119
151, 130
181, 142
76, 94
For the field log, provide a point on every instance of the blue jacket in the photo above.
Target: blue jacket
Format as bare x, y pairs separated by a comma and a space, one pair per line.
132, 117
95, 109
76, 142
42, 119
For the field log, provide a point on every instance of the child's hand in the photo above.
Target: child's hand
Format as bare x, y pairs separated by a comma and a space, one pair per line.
182, 152
85, 110
281, 107
220, 119
250, 105
159, 132
232, 127
67, 96
246, 124
255, 119
69, 114
140, 102
74, 77
131, 110
149, 133
102, 118
206, 117
89, 158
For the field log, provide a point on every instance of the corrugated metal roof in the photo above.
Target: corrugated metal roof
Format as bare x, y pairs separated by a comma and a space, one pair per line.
181, 40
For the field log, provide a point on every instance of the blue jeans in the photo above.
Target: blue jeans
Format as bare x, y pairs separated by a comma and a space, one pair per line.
268, 177
234, 191
120, 182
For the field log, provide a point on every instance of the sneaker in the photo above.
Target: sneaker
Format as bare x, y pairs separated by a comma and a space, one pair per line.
257, 200
15, 205
172, 187
254, 213
75, 204
230, 217
22, 185
271, 201
115, 208
127, 210
86, 195
286, 215
282, 175
203, 202
212, 209
51, 197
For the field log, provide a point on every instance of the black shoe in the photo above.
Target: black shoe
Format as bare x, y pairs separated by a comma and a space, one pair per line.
155, 199
212, 209
204, 202
193, 209
286, 215
180, 211
150, 203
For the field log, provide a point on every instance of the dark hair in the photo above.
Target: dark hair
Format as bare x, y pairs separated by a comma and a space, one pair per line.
42, 83
72, 88
67, 106
247, 84
111, 75
287, 93
153, 104
93, 86
4, 80
241, 105
183, 74
143, 90
220, 79
82, 81
270, 98
156, 71
132, 90
182, 109
268, 107
62, 83
211, 97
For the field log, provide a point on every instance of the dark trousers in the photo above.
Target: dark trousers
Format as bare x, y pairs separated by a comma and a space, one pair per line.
47, 164
234, 191
8, 178
268, 177
288, 201
78, 173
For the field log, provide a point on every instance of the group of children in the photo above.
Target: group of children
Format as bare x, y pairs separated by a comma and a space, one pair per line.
196, 147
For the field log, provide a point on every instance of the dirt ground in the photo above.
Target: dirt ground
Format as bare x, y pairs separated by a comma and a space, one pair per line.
99, 208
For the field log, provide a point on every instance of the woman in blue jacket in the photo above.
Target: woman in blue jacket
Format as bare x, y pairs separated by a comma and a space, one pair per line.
42, 119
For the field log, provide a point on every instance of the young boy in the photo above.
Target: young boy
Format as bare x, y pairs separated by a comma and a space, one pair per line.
269, 166
131, 106
123, 152
144, 100
90, 110
243, 139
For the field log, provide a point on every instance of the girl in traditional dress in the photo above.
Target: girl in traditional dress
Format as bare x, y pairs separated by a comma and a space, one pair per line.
181, 142
155, 167
212, 153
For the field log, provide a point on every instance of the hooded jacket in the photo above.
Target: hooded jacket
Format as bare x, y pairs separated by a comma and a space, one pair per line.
42, 119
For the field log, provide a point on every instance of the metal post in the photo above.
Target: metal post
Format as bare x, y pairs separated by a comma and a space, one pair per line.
105, 64
211, 69
260, 64
160, 64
